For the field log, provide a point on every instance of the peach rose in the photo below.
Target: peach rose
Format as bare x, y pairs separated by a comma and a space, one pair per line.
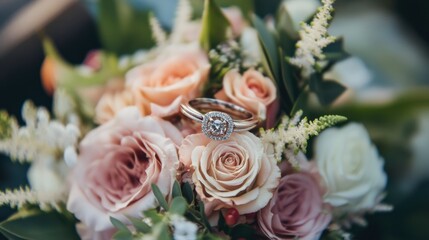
177, 75
237, 172
111, 103
296, 210
117, 164
251, 90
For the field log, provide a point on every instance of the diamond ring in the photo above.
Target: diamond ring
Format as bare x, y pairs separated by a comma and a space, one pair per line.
219, 118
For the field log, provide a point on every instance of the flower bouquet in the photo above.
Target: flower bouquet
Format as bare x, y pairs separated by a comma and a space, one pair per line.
202, 136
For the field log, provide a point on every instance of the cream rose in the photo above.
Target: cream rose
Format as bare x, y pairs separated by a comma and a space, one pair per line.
296, 210
235, 173
117, 164
112, 103
177, 75
251, 90
350, 167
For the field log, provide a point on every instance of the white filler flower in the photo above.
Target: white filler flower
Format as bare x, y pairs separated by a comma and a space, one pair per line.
350, 167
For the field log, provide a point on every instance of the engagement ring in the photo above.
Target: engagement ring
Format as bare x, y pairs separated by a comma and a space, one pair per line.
219, 118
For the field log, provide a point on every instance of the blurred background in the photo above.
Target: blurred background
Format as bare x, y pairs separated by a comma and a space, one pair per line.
389, 36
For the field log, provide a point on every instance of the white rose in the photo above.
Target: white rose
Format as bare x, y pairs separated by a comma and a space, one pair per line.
351, 168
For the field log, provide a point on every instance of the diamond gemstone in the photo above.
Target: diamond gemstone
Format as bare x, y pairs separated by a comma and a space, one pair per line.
217, 125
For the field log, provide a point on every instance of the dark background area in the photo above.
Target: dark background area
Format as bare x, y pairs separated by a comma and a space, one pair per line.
74, 33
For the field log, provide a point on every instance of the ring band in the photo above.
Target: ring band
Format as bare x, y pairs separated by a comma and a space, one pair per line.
219, 118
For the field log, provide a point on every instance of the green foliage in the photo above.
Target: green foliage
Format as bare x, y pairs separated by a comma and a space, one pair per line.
38, 225
159, 197
238, 231
156, 222
122, 28
5, 125
178, 206
188, 193
140, 225
70, 79
327, 91
246, 6
215, 26
177, 191
269, 48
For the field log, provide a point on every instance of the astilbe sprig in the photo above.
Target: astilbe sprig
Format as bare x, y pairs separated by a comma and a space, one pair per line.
292, 134
20, 197
178, 33
39, 138
313, 38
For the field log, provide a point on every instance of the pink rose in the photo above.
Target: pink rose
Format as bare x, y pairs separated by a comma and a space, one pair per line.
251, 90
177, 75
296, 210
235, 173
117, 164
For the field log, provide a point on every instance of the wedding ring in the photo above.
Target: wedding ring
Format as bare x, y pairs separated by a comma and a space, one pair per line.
219, 118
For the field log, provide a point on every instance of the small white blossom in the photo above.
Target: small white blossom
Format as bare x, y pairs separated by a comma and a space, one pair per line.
183, 229
157, 32
183, 17
42, 142
314, 38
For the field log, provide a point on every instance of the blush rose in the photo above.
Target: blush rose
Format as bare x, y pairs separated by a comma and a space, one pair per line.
252, 91
233, 173
117, 164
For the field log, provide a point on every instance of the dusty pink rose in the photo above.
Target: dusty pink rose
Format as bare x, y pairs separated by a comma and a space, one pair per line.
296, 210
235, 173
177, 75
112, 103
251, 90
117, 164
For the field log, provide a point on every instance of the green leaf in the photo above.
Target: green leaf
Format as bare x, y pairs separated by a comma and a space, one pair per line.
154, 216
246, 6
269, 48
158, 195
123, 235
5, 125
118, 224
203, 216
122, 28
335, 51
222, 224
39, 225
161, 232
140, 225
176, 192
215, 26
301, 103
327, 91
188, 193
178, 206
243, 231
287, 80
